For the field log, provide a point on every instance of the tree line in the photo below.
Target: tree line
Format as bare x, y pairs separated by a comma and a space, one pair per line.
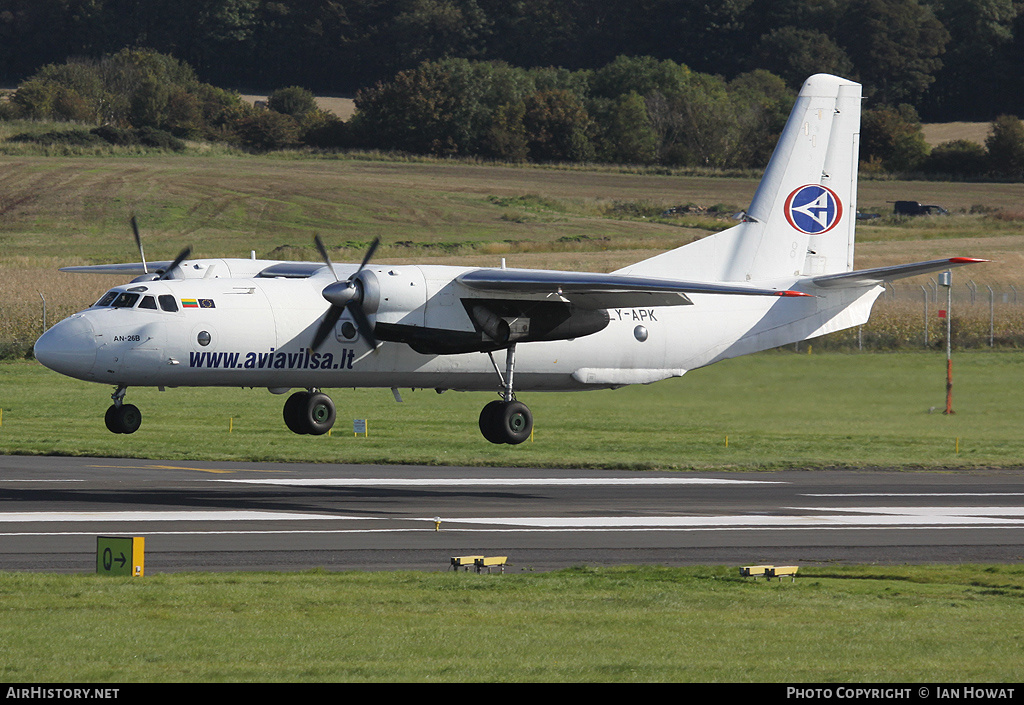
949, 59
634, 110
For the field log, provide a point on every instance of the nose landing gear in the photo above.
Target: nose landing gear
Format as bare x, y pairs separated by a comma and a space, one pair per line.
121, 417
311, 412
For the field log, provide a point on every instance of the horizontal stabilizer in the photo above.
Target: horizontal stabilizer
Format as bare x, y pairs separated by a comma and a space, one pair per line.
595, 290
879, 275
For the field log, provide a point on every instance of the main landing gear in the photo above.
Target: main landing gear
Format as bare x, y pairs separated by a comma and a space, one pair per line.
121, 417
506, 420
310, 412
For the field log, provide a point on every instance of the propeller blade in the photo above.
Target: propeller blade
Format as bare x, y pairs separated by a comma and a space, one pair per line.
362, 323
138, 243
330, 320
174, 265
323, 254
369, 254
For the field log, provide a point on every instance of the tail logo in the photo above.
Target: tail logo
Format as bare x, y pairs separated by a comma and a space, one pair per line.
813, 209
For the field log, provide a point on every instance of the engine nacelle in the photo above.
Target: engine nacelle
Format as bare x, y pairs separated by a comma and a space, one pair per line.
400, 304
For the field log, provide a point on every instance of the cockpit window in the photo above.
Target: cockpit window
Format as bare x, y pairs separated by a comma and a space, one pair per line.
148, 302
167, 303
107, 298
125, 300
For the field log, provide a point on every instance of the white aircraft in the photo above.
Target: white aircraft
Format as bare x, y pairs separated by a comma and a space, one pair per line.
783, 274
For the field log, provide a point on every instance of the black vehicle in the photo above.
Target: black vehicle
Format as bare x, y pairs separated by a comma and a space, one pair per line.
915, 208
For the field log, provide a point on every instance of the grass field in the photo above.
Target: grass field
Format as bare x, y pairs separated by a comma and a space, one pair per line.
768, 411
935, 624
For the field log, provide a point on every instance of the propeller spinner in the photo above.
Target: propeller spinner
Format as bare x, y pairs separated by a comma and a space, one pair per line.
344, 295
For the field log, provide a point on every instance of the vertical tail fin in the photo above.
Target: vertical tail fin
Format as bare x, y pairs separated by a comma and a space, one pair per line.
802, 218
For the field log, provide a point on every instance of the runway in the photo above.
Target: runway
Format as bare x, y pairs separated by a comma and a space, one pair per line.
199, 516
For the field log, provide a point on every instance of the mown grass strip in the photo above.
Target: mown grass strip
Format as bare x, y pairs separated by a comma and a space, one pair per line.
631, 624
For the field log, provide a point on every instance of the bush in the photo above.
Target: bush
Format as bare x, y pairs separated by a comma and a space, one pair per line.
265, 131
69, 138
323, 130
161, 139
293, 101
120, 136
1006, 147
959, 158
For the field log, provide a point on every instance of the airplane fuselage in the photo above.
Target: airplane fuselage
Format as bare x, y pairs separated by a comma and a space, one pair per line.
255, 332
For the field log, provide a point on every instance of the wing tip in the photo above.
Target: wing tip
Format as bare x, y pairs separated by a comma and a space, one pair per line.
967, 260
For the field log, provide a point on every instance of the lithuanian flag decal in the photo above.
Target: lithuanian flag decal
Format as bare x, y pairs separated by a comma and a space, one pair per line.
189, 303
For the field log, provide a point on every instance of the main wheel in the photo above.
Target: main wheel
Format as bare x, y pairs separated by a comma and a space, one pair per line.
295, 411
489, 424
123, 419
319, 414
515, 422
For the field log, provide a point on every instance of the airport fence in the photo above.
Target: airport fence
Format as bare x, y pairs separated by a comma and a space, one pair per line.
914, 315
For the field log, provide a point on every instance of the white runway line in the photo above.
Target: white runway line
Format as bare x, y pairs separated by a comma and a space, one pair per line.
920, 494
495, 481
21, 517
925, 511
946, 519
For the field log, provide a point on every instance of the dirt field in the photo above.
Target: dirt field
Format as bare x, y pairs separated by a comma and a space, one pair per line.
938, 132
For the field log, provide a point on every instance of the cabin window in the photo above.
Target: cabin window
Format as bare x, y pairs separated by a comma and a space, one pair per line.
148, 302
167, 303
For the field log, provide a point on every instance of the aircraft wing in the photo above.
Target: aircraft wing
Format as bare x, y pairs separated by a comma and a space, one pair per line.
128, 269
595, 290
879, 275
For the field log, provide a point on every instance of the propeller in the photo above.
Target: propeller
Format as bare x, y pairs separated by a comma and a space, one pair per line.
344, 295
159, 274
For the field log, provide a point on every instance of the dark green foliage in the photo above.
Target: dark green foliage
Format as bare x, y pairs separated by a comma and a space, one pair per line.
71, 138
324, 131
1006, 147
893, 138
795, 53
268, 130
959, 159
895, 45
104, 135
951, 59
635, 110
294, 101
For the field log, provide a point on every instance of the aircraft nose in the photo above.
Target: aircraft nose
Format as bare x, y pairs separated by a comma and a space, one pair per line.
69, 347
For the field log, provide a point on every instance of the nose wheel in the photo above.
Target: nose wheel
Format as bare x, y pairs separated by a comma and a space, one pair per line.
506, 420
311, 412
121, 417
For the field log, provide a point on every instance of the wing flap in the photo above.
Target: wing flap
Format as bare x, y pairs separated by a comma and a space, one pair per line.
880, 275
